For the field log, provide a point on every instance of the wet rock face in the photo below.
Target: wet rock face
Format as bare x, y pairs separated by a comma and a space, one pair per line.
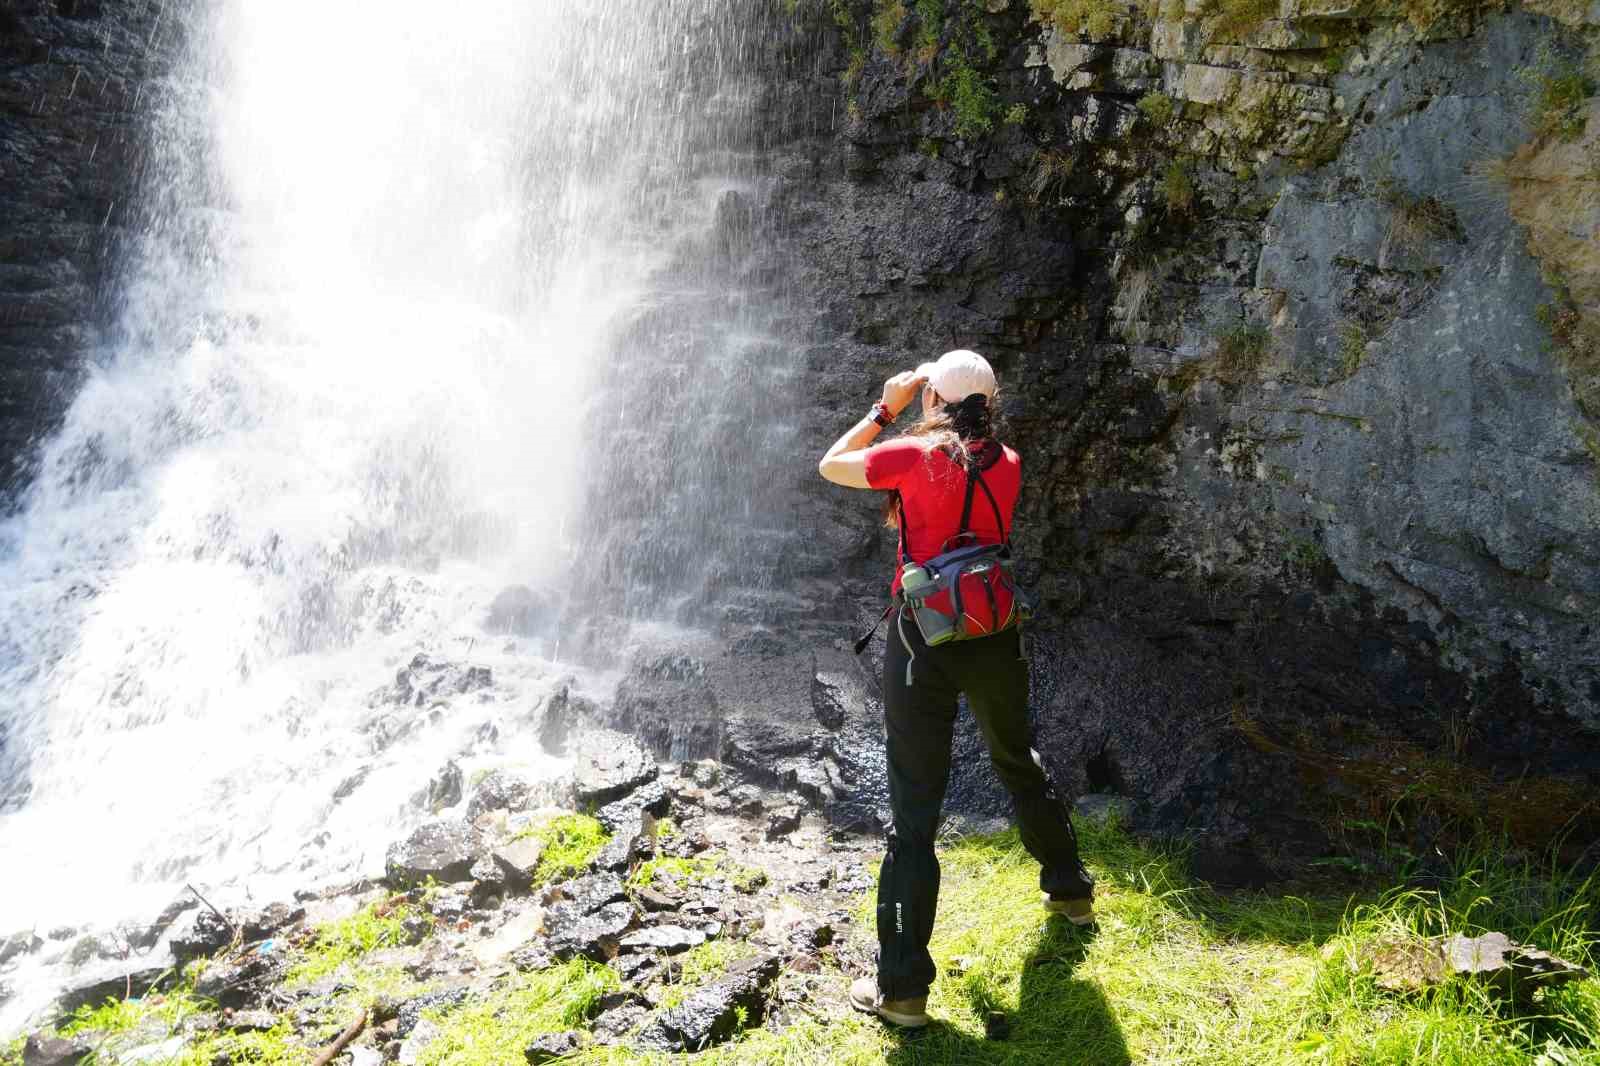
1302, 462
609, 765
78, 89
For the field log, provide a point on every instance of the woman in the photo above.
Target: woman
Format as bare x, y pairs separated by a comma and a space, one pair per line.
924, 467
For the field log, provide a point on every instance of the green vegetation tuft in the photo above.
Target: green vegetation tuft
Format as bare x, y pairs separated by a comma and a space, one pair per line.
495, 1030
1352, 348
967, 92
1234, 20
1561, 107
379, 925
1158, 108
1049, 173
697, 870
122, 1015
1016, 114
886, 23
1094, 19
703, 963
1241, 349
571, 841
1178, 189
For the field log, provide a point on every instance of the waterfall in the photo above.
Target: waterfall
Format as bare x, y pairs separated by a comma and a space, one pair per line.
402, 272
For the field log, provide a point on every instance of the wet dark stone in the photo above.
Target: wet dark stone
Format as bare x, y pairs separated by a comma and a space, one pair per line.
449, 906
552, 1046
609, 766
709, 1015
19, 944
667, 939
501, 790
613, 1026
410, 1012
203, 932
132, 978
47, 1049
248, 1021
651, 797
522, 611
829, 696
631, 840
444, 790
518, 861
144, 937
652, 900
594, 936
423, 681
444, 851
783, 821
242, 982
585, 895
533, 957
348, 786
488, 881
268, 921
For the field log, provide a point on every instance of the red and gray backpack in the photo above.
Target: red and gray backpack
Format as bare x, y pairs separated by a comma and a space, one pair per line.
967, 591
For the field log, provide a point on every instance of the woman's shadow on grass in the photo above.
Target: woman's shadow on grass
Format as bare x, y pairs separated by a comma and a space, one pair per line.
1060, 1019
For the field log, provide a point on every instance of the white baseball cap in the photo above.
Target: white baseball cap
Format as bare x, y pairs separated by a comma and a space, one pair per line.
958, 374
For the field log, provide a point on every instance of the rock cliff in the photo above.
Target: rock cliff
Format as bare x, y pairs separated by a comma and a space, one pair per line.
1294, 310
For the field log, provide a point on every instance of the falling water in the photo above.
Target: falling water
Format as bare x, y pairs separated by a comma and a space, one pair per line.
399, 263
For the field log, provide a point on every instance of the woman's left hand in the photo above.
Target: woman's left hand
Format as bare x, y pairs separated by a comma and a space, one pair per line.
900, 390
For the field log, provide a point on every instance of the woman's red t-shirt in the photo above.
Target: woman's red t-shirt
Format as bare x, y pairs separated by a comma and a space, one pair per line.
933, 486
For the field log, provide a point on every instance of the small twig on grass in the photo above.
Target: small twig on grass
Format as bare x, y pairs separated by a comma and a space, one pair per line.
339, 1045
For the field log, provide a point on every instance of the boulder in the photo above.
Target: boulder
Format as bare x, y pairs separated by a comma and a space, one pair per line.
651, 797
667, 939
783, 821
47, 1049
633, 839
609, 765
594, 936
268, 921
119, 980
585, 895
1506, 967
518, 860
552, 1046
19, 944
500, 790
444, 790
521, 611
711, 1015
443, 851
242, 982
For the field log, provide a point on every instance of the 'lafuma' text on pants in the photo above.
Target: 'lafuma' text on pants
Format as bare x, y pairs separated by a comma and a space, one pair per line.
919, 720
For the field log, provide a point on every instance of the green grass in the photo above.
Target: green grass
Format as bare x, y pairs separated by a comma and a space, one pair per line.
1173, 974
378, 925
1241, 349
697, 870
571, 841
968, 94
1094, 19
493, 1031
1561, 104
1178, 189
1158, 107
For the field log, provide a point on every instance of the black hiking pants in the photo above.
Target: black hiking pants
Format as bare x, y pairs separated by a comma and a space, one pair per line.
919, 721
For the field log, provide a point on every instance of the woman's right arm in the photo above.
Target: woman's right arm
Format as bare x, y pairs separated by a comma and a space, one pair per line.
846, 462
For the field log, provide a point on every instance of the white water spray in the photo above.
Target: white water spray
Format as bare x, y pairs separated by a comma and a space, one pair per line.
388, 247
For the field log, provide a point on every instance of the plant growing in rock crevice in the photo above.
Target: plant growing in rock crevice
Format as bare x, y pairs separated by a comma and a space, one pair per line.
1240, 351
1178, 189
1157, 107
1095, 19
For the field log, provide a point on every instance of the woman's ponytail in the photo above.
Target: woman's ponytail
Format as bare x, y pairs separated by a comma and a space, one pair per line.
971, 418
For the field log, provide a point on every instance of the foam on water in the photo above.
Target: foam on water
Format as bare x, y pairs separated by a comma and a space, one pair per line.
386, 247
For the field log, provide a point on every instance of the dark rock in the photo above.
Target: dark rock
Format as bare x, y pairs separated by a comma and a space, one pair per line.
706, 773
202, 932
423, 682
501, 790
709, 1015
416, 928
443, 851
585, 895
610, 765
19, 944
410, 1012
444, 790
652, 900
651, 797
242, 982
488, 881
668, 703
561, 716
268, 921
1232, 867
635, 969
614, 1026
449, 906
745, 800
594, 936
117, 981
552, 1046
520, 610
533, 957
347, 787
830, 699
667, 939
518, 860
783, 821
144, 937
47, 1049
633, 839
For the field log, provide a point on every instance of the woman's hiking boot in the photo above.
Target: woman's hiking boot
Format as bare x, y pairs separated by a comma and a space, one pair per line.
1076, 911
910, 1013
